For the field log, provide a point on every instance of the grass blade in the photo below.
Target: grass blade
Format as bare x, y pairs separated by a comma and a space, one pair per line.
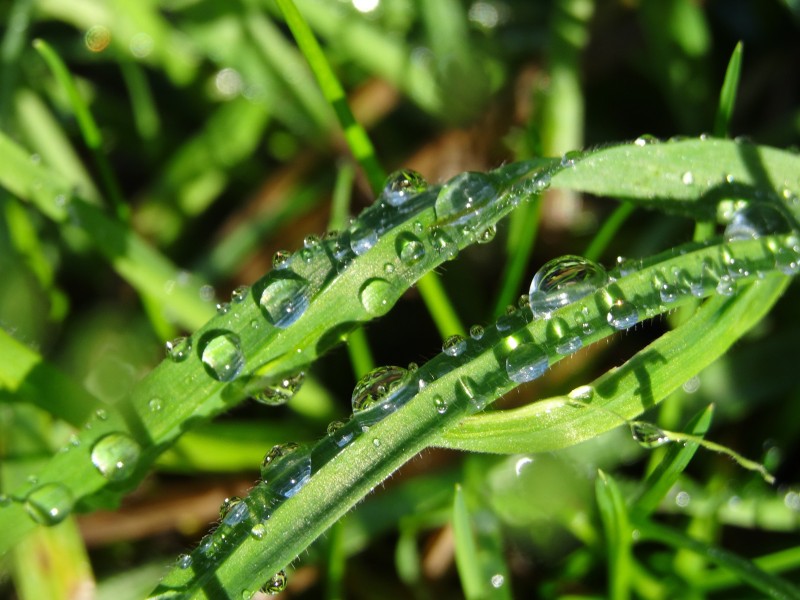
614, 516
469, 566
727, 95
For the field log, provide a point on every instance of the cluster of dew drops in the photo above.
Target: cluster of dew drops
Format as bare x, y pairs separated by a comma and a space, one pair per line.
285, 295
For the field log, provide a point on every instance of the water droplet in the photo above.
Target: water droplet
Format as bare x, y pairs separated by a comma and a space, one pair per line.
570, 158
388, 268
646, 140
622, 315
178, 349
580, 396
286, 468
222, 355
687, 178
376, 386
223, 308
281, 391
402, 185
648, 435
233, 511
787, 255
666, 291
454, 345
440, 404
340, 436
410, 249
443, 244
49, 504
497, 581
563, 281
258, 530
374, 296
280, 259
376, 442
115, 456
276, 584
464, 195
311, 241
476, 332
184, 561
362, 237
559, 335
726, 286
755, 220
239, 294
487, 235
101, 414
283, 298
526, 362
155, 404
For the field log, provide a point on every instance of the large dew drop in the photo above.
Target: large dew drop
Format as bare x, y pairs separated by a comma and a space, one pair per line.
374, 296
463, 196
526, 362
115, 456
563, 281
284, 298
49, 504
402, 185
362, 238
754, 221
286, 469
222, 355
410, 250
376, 386
281, 391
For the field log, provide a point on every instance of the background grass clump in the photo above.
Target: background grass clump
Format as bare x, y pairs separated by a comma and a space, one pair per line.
155, 157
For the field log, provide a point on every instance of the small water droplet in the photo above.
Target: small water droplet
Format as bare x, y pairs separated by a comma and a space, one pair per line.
284, 297
280, 259
648, 435
276, 584
155, 404
223, 308
646, 140
377, 386
281, 391
687, 178
454, 345
463, 196
563, 281
755, 220
311, 241
49, 504
559, 335
622, 315
526, 362
179, 349
787, 254
374, 296
580, 396
239, 294
184, 561
222, 355
476, 332
443, 244
440, 404
286, 468
666, 291
115, 456
402, 185
487, 235
388, 268
497, 581
376, 442
340, 436
101, 414
362, 237
726, 285
233, 511
409, 248
258, 530
570, 158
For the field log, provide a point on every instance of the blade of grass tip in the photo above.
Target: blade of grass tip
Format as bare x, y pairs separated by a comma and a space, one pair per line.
614, 516
608, 230
357, 139
469, 567
719, 579
87, 125
145, 114
727, 95
10, 51
746, 570
659, 482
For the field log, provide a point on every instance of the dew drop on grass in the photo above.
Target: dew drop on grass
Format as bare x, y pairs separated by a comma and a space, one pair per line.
440, 404
726, 285
233, 511
487, 235
563, 281
463, 196
362, 238
376, 386
402, 185
184, 561
787, 255
562, 338
454, 345
754, 221
116, 455
276, 584
283, 298
179, 349
311, 241
49, 504
687, 178
410, 250
281, 391
280, 259
622, 315
646, 140
525, 362
258, 530
374, 296
239, 294
666, 291
443, 244
155, 405
476, 332
222, 355
580, 396
497, 581
286, 469
223, 308
648, 435
337, 432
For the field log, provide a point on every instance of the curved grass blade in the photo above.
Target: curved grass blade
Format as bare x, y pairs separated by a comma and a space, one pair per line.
344, 466
614, 516
469, 566
727, 95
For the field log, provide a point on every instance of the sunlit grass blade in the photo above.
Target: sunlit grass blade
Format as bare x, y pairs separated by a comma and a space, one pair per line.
746, 570
469, 566
608, 231
727, 95
614, 516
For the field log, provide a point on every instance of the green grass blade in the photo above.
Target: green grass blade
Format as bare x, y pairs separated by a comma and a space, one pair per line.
442, 312
357, 139
614, 516
776, 562
727, 95
469, 566
608, 231
771, 585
